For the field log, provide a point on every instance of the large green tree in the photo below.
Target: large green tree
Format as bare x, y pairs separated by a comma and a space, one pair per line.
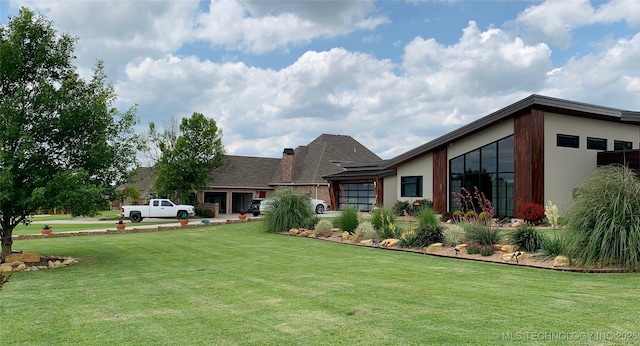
187, 155
62, 143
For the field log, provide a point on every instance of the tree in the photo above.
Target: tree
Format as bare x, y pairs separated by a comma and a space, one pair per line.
63, 145
186, 156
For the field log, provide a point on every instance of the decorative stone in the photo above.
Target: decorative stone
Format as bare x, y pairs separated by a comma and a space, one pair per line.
511, 256
561, 261
366, 242
21, 266
433, 248
461, 247
390, 242
6, 267
497, 247
345, 235
23, 257
308, 233
515, 224
509, 248
294, 231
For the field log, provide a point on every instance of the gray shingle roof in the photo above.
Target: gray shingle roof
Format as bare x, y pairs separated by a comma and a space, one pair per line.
244, 171
323, 156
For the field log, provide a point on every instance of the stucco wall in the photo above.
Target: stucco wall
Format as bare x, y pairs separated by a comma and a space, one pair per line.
482, 138
566, 168
390, 191
422, 166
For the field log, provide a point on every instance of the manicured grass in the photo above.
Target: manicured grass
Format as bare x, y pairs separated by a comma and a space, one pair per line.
236, 285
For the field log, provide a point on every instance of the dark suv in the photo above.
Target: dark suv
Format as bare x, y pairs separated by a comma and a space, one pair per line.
254, 207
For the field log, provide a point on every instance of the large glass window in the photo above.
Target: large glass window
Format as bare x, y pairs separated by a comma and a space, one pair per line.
622, 145
490, 169
411, 186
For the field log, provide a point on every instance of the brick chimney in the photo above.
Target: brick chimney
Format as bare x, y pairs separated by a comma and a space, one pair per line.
287, 165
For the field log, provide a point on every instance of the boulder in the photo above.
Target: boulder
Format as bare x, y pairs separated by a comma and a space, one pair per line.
23, 257
21, 266
561, 261
390, 242
461, 247
433, 248
294, 231
366, 242
6, 267
511, 256
345, 235
509, 248
497, 247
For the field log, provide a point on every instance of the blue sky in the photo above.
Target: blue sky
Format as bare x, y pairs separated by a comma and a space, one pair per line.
391, 74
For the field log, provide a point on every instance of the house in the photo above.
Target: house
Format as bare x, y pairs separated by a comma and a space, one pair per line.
244, 178
535, 150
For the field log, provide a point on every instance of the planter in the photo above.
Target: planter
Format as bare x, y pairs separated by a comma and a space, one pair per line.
242, 216
120, 226
47, 231
184, 222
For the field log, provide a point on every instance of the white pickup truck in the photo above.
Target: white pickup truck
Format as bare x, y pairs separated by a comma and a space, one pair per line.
157, 208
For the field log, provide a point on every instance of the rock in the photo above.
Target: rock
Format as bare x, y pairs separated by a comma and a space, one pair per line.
433, 248
345, 235
461, 246
294, 231
561, 261
6, 267
50, 264
57, 264
336, 229
509, 248
21, 266
366, 242
497, 247
308, 233
23, 257
390, 242
515, 224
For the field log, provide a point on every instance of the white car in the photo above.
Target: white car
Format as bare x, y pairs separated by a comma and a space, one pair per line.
318, 206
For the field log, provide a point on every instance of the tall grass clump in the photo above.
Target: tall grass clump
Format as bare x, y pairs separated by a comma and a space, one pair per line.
348, 218
289, 210
480, 233
453, 235
527, 238
383, 220
604, 222
552, 246
429, 228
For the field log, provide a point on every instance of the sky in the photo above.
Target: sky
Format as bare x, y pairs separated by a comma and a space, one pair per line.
391, 74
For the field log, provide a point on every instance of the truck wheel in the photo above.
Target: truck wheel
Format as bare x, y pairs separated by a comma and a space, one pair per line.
135, 217
319, 209
182, 214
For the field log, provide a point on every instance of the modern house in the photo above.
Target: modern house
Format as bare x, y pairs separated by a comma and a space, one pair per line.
537, 149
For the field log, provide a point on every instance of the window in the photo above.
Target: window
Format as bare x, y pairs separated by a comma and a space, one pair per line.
411, 186
156, 203
568, 141
167, 204
490, 169
622, 145
360, 195
596, 143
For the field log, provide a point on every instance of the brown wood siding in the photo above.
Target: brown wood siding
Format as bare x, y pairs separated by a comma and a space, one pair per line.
440, 175
528, 159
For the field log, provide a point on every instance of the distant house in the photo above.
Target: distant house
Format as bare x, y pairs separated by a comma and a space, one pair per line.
537, 149
243, 178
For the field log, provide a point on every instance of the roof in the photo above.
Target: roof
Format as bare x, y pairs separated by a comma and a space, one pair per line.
245, 172
324, 156
142, 177
534, 101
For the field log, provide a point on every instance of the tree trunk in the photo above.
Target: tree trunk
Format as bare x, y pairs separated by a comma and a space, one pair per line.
7, 242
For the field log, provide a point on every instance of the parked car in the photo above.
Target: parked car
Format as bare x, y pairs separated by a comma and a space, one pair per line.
254, 207
317, 205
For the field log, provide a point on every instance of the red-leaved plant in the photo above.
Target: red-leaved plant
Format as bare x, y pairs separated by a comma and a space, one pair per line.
533, 213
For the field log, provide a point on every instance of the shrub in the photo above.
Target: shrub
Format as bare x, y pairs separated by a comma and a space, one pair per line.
422, 203
480, 233
408, 238
552, 247
429, 229
324, 228
382, 217
289, 210
390, 231
365, 230
348, 218
551, 212
401, 206
486, 251
604, 223
204, 212
527, 238
533, 213
470, 215
473, 250
453, 235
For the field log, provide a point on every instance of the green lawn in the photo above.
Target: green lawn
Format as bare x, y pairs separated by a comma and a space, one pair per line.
236, 285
